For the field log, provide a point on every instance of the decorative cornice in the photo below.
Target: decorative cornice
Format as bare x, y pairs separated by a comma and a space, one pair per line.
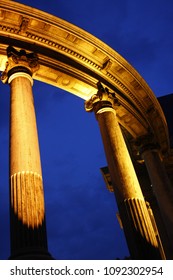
104, 68
62, 48
84, 60
23, 25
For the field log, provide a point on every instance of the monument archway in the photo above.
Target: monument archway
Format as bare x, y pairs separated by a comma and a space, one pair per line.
74, 60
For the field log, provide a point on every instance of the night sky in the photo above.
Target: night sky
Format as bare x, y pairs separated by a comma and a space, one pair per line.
80, 211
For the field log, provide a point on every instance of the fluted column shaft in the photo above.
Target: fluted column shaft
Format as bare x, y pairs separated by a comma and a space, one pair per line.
28, 230
138, 228
161, 185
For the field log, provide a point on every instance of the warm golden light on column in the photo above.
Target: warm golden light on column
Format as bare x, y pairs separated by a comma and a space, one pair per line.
25, 167
123, 176
27, 202
138, 228
27, 215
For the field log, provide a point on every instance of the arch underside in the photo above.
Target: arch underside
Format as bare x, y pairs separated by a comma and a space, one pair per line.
74, 60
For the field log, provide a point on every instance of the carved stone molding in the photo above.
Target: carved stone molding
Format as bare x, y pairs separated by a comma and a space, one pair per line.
74, 60
18, 61
102, 99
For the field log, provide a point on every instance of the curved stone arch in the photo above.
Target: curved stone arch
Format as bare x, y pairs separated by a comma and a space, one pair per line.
74, 60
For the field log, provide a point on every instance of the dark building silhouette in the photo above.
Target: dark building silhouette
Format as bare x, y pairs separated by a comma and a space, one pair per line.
166, 103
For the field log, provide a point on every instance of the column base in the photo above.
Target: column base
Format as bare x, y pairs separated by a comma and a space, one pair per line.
31, 256
139, 231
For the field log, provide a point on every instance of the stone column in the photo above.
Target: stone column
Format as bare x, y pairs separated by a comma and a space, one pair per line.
162, 188
27, 215
138, 228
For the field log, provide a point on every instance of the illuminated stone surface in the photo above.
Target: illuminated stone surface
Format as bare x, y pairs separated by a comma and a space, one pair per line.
74, 60
134, 214
28, 232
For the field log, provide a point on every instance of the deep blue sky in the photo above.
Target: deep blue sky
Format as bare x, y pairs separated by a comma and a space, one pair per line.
80, 212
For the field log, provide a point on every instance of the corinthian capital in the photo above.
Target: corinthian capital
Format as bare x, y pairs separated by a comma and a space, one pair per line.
103, 98
19, 61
